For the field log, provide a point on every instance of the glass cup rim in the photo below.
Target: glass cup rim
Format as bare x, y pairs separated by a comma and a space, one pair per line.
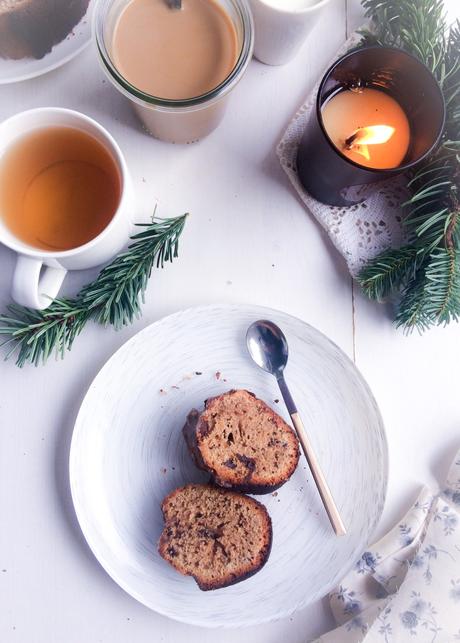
194, 102
390, 170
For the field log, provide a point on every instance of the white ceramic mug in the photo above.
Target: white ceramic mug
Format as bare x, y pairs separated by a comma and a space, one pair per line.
281, 27
39, 274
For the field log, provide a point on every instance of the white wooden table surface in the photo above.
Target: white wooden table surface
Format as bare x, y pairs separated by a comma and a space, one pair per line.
248, 240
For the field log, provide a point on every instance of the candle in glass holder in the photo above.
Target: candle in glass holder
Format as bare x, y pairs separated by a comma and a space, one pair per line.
379, 111
368, 126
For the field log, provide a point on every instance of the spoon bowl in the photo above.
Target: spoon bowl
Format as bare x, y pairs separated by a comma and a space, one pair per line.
268, 346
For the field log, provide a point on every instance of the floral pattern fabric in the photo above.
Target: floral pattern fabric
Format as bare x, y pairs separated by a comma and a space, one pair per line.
407, 586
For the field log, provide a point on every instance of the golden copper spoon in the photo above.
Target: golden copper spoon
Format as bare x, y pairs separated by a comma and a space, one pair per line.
268, 347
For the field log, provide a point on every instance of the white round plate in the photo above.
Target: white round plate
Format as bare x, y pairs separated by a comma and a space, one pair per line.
12, 71
127, 453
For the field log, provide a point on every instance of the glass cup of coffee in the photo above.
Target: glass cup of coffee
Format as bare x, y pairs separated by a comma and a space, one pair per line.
177, 66
65, 199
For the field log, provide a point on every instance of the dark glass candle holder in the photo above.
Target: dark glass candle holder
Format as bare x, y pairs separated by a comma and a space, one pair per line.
325, 172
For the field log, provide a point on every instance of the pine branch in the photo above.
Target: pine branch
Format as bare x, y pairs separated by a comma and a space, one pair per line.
443, 287
432, 297
116, 295
114, 298
36, 334
412, 313
432, 207
417, 26
388, 272
430, 287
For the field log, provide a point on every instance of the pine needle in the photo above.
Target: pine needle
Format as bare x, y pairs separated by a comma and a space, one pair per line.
388, 272
113, 298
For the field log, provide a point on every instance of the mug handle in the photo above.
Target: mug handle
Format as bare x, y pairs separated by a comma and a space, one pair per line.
35, 285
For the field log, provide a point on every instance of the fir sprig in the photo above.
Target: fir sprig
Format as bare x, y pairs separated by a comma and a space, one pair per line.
388, 271
426, 271
113, 298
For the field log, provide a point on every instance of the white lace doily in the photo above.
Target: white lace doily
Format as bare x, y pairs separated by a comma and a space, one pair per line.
359, 232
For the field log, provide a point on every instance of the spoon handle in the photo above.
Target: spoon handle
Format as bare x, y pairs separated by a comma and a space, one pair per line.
320, 480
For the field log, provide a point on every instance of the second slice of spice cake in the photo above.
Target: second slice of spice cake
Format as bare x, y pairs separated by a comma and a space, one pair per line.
217, 536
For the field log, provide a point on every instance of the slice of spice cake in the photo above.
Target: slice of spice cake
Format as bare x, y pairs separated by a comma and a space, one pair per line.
217, 536
242, 443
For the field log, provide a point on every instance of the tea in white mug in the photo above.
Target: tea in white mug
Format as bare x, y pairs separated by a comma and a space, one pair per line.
59, 188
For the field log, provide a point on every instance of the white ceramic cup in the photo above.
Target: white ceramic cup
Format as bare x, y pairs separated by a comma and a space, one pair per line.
39, 274
281, 27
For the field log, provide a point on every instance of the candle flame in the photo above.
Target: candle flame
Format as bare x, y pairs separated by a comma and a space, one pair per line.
371, 135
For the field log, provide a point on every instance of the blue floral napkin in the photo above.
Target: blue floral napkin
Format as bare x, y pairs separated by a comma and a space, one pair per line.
407, 586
